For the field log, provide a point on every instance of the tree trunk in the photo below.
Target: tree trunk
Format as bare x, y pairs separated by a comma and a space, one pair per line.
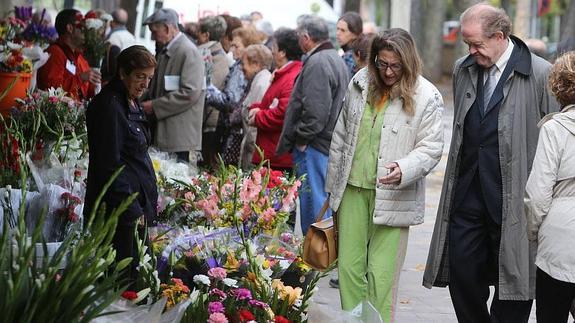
130, 6
506, 5
351, 5
106, 5
415, 26
460, 6
68, 4
568, 27
522, 20
432, 49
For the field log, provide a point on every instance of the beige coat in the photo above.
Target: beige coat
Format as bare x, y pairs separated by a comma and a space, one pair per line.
178, 109
414, 142
220, 71
550, 196
257, 88
525, 100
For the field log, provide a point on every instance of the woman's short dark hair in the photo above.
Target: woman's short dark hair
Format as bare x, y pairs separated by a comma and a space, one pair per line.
232, 23
354, 22
287, 41
562, 79
65, 18
133, 58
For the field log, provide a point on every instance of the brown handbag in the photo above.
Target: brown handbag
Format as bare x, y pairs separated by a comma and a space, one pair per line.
320, 244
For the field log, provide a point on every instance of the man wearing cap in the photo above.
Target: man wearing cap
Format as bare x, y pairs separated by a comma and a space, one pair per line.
67, 68
176, 94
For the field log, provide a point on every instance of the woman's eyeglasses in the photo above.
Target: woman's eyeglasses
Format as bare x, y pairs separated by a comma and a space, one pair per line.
383, 66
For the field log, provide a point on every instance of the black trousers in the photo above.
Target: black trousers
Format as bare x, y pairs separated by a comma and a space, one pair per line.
554, 298
124, 242
474, 239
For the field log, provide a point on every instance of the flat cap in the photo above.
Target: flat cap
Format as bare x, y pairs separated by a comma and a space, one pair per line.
164, 15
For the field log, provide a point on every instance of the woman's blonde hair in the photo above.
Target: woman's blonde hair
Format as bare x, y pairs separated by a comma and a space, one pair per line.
259, 54
562, 79
401, 43
248, 35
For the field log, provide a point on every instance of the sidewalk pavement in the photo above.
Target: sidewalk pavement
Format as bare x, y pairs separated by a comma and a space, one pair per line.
415, 302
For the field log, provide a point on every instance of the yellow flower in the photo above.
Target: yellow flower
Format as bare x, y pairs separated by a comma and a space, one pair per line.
156, 164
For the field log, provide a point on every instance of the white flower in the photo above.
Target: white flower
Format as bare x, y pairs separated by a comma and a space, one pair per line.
284, 264
297, 303
202, 279
12, 45
94, 23
267, 273
194, 295
230, 282
303, 317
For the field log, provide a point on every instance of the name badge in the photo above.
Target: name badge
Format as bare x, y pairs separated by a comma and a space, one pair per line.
171, 82
71, 67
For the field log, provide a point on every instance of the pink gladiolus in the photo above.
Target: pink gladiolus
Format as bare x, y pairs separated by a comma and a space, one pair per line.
249, 191
269, 215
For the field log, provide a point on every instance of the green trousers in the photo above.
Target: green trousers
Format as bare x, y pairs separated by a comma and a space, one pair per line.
370, 256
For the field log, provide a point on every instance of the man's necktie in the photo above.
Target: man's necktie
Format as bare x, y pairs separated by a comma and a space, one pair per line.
489, 85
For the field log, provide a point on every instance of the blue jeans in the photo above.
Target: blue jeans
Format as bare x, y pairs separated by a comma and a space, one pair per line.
313, 164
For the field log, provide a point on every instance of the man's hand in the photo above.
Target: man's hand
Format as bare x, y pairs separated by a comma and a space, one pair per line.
147, 106
301, 148
252, 116
394, 176
91, 76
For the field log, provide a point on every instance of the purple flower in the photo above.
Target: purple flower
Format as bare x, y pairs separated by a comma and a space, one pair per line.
260, 304
242, 294
215, 307
219, 293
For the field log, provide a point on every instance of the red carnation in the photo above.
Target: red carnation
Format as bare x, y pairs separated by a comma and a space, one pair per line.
91, 15
281, 319
130, 295
246, 316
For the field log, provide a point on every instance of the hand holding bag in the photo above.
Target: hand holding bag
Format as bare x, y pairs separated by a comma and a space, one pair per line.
320, 244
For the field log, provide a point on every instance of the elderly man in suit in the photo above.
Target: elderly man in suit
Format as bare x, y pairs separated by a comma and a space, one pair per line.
176, 95
480, 238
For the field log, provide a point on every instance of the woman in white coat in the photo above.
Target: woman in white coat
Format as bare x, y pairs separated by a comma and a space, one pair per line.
550, 199
388, 137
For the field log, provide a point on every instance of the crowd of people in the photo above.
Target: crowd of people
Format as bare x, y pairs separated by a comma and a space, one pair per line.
365, 128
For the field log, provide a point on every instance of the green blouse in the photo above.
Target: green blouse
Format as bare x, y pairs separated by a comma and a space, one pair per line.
364, 165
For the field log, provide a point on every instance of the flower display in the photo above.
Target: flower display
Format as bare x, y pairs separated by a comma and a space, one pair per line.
175, 291
47, 116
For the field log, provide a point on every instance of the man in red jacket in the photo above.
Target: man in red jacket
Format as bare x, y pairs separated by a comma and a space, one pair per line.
268, 115
67, 67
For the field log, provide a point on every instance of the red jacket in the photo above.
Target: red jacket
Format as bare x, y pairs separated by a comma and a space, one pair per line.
57, 72
269, 120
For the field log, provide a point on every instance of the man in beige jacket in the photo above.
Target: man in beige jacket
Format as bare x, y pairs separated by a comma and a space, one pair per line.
176, 95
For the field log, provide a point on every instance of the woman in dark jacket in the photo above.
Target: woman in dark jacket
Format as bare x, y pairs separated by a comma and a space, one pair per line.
118, 135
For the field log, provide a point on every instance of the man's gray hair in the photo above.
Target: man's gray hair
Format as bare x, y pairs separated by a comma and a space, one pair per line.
315, 27
492, 19
215, 25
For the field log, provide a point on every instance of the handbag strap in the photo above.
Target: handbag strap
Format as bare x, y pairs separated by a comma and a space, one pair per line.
323, 210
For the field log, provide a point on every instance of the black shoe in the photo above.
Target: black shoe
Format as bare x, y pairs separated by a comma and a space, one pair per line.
334, 283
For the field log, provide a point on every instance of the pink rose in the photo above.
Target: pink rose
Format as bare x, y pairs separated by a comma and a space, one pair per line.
217, 273
217, 318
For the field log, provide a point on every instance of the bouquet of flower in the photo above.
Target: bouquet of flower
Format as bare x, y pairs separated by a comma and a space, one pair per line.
45, 117
38, 32
255, 202
94, 44
11, 57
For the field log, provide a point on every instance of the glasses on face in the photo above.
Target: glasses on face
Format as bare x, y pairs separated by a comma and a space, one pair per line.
383, 66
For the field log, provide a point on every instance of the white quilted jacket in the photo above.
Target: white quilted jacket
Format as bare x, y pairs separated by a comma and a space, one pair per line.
414, 142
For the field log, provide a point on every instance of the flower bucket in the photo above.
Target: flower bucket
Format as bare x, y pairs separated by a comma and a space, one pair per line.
12, 86
51, 248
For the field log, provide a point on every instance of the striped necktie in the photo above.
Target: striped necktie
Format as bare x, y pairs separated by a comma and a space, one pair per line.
488, 85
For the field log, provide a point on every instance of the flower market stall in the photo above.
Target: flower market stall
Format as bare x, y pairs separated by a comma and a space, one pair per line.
222, 250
